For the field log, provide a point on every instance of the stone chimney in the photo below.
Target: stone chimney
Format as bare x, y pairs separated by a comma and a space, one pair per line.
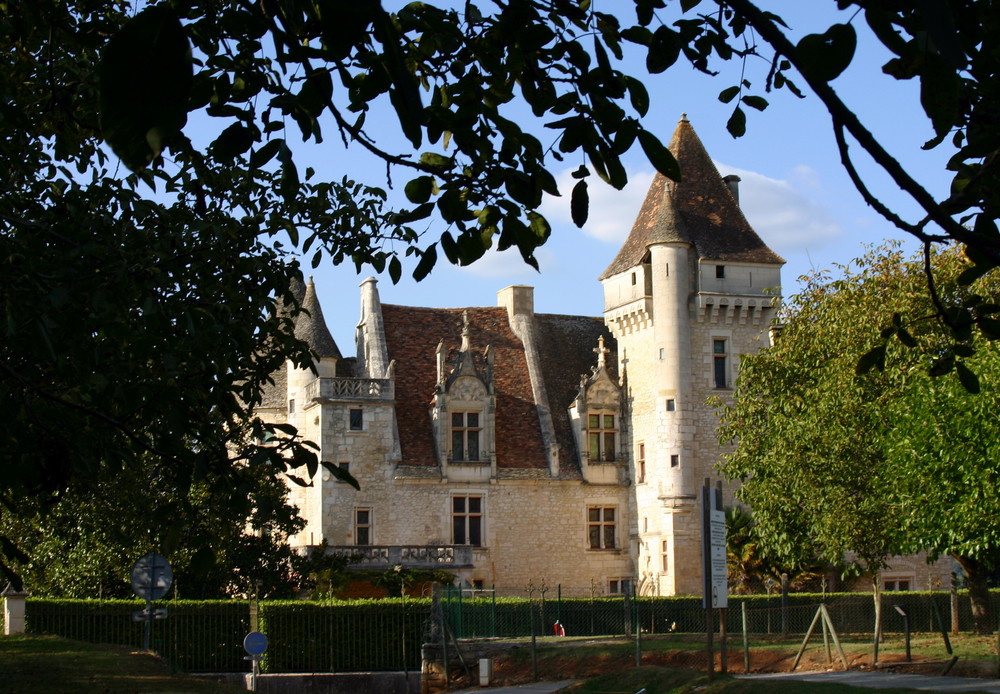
518, 299
732, 182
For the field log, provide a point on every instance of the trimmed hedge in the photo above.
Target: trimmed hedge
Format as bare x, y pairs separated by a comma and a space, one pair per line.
196, 636
345, 636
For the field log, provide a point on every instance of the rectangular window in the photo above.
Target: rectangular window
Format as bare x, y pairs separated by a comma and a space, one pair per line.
362, 526
897, 584
641, 464
663, 556
675, 460
619, 586
291, 406
465, 431
357, 420
671, 405
720, 360
601, 437
720, 272
601, 527
467, 520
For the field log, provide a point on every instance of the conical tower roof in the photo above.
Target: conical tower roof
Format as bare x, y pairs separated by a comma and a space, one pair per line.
700, 210
310, 327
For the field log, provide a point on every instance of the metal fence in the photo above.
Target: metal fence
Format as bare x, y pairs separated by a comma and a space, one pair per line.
485, 614
207, 636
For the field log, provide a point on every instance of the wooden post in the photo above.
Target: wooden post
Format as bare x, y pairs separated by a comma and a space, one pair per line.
746, 639
954, 604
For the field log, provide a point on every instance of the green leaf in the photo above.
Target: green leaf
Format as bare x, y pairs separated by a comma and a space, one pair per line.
395, 270
340, 473
659, 156
824, 56
873, 358
737, 123
728, 94
420, 189
436, 160
145, 80
266, 153
427, 260
968, 379
416, 214
664, 49
579, 203
233, 141
755, 102
939, 93
638, 95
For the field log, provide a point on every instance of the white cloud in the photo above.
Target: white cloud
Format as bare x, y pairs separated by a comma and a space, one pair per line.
611, 211
786, 218
783, 212
508, 265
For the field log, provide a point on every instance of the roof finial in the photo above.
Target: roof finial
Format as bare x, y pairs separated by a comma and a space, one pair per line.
684, 118
601, 351
465, 331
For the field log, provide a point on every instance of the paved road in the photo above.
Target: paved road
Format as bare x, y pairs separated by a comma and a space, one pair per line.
887, 680
855, 678
534, 688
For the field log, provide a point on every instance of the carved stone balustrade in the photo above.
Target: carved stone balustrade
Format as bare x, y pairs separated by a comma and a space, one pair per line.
330, 389
407, 556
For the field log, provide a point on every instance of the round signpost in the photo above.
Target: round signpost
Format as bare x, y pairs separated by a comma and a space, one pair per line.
255, 643
151, 579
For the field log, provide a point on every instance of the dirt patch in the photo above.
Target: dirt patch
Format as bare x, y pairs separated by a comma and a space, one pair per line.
584, 659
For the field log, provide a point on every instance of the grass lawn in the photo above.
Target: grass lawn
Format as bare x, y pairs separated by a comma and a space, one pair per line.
33, 664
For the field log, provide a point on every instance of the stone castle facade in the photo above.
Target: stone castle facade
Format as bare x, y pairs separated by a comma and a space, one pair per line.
513, 448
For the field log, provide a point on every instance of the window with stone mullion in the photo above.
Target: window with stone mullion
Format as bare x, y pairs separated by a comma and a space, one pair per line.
601, 436
465, 430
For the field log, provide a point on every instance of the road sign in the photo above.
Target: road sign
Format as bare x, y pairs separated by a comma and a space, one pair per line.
717, 555
151, 577
255, 643
143, 615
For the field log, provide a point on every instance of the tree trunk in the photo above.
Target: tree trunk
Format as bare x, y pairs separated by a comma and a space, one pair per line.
979, 595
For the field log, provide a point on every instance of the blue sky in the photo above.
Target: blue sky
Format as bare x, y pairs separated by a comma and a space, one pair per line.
794, 191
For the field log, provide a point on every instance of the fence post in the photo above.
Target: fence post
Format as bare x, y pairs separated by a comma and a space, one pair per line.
954, 604
13, 610
784, 604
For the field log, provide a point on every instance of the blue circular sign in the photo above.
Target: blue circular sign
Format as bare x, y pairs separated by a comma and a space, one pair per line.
255, 643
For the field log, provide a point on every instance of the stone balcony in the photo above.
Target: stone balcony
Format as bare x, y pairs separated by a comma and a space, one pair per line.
408, 556
352, 389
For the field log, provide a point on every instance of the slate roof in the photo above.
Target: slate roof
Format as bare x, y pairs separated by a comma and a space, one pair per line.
566, 347
700, 209
566, 344
311, 328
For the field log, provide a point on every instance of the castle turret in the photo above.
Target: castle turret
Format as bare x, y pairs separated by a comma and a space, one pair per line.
689, 291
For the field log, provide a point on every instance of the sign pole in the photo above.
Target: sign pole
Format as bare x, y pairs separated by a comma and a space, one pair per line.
706, 553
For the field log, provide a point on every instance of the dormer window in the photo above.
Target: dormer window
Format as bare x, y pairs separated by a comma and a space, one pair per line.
602, 436
465, 433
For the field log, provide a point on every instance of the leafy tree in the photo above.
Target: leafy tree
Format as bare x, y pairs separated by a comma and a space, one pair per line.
218, 544
839, 457
137, 286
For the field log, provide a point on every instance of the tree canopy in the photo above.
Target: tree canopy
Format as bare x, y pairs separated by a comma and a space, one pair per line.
138, 282
837, 458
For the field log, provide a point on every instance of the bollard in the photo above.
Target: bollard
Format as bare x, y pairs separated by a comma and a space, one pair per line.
13, 610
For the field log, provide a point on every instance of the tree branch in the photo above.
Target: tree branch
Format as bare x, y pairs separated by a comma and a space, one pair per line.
844, 117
